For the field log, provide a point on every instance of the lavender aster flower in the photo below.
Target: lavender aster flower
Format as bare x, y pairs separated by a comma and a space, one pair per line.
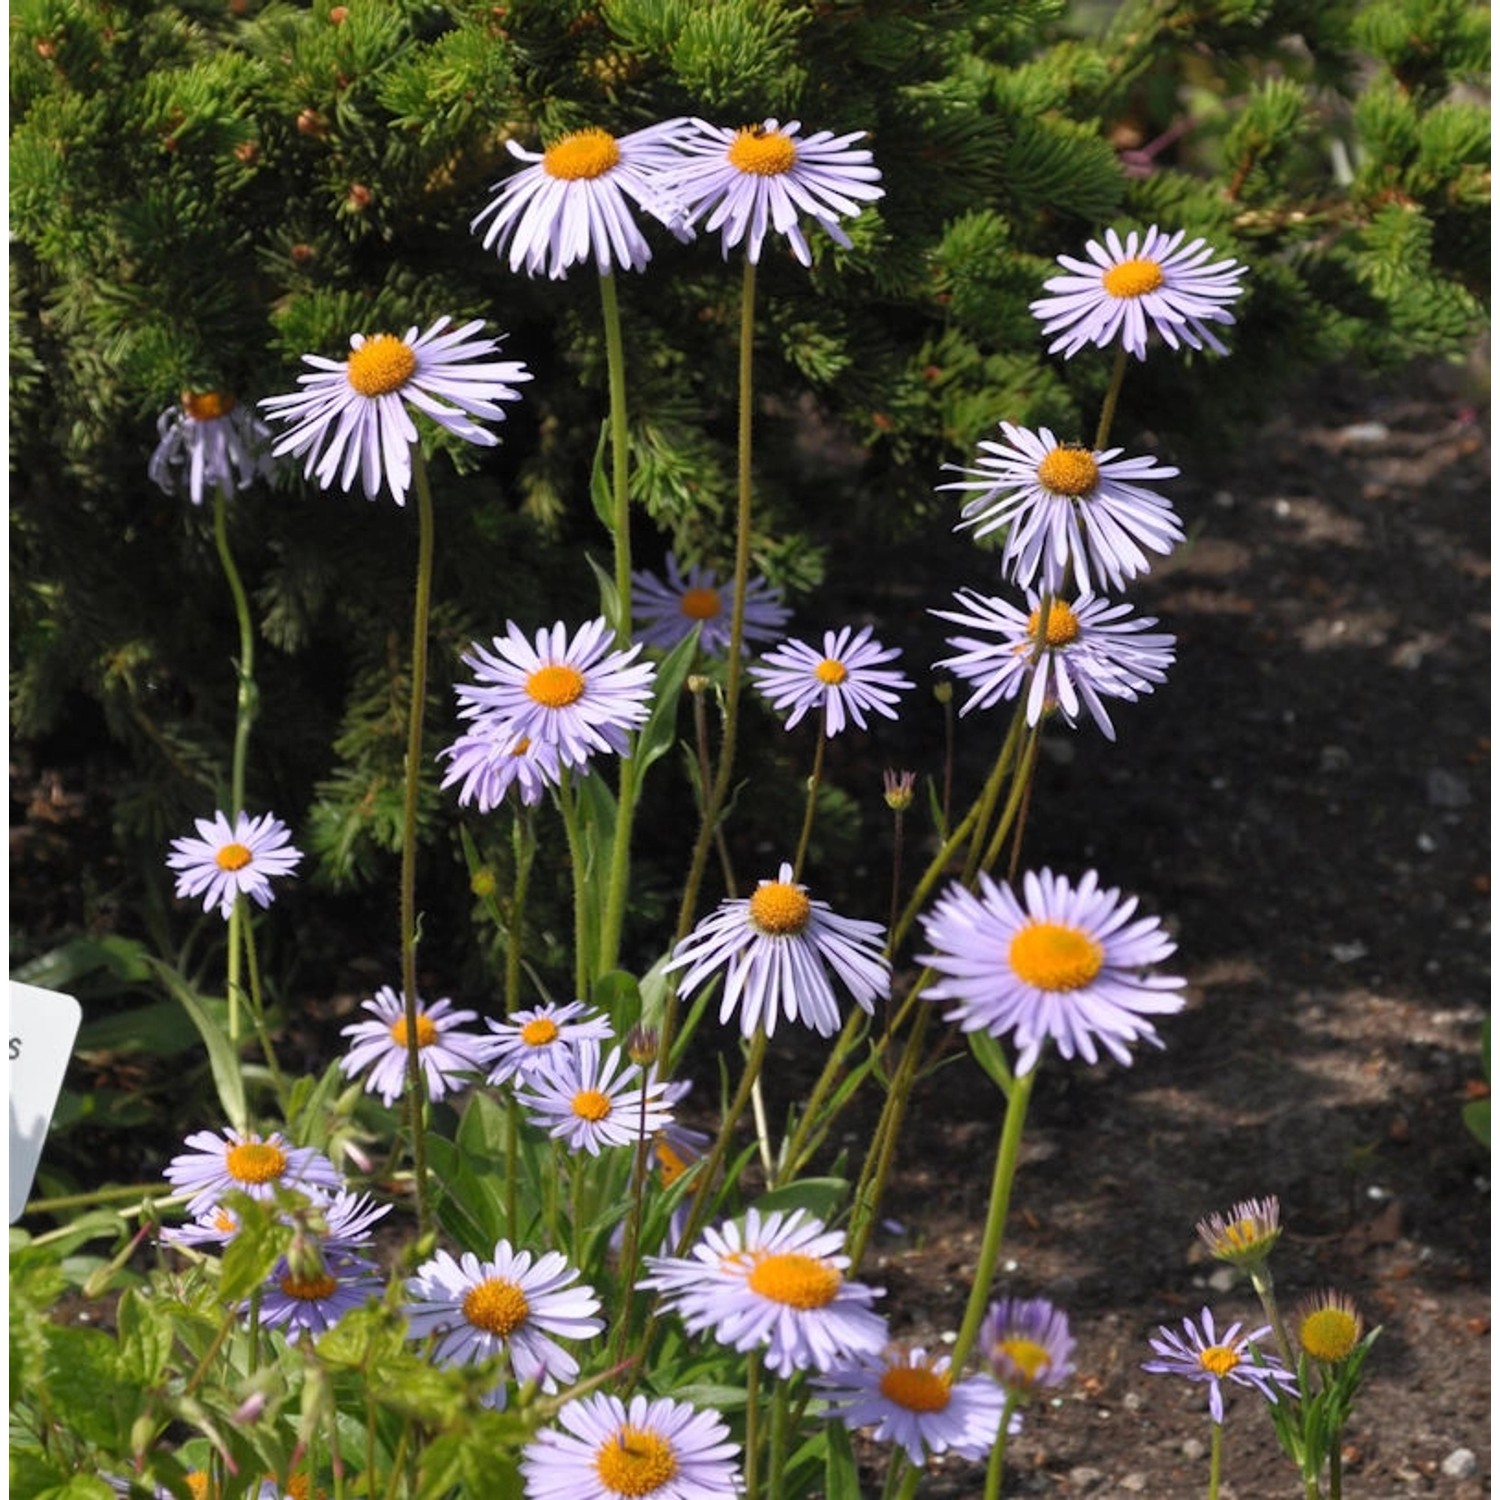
843, 679
215, 1165
379, 1047
531, 1042
1093, 651
775, 1283
661, 1449
574, 202
492, 758
226, 861
1200, 1354
579, 695
775, 949
357, 412
299, 1304
506, 1305
586, 1099
1067, 505
209, 443
763, 176
1027, 1343
1064, 967
910, 1398
667, 609
1124, 290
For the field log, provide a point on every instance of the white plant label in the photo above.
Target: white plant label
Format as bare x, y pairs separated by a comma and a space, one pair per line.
43, 1025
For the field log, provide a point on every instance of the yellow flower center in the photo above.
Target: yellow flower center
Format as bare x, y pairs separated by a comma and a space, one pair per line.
538, 1032
916, 1387
591, 1105
427, 1032
497, 1306
224, 1221
308, 1289
1132, 278
381, 365
800, 1281
232, 857
1050, 956
635, 1462
298, 1487
1068, 471
700, 604
1242, 1235
762, 152
672, 1166
198, 1484
1062, 624
556, 686
584, 154
207, 406
1028, 1356
1218, 1359
255, 1161
1329, 1334
780, 909
830, 671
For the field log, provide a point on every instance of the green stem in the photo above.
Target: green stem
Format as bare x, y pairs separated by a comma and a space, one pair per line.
258, 1009
232, 981
1265, 1289
995, 1474
421, 613
523, 849
512, 1163
245, 697
734, 667
583, 927
752, 1425
617, 896
1215, 1459
813, 782
1019, 788
1111, 398
1006, 1159
780, 1400
619, 450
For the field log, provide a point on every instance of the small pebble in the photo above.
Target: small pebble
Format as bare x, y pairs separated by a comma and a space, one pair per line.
1193, 1449
1461, 1464
1347, 953
1224, 1278
1083, 1478
1426, 843
1133, 1401
1446, 789
1223, 499
1135, 1483
1365, 432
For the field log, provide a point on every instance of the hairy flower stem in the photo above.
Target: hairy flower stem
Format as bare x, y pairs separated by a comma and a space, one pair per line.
1215, 1458
994, 1475
258, 1008
734, 666
1265, 1289
814, 781
631, 1242
780, 1410
1020, 790
1111, 399
752, 1425
1006, 1159
523, 851
583, 927
619, 451
416, 1094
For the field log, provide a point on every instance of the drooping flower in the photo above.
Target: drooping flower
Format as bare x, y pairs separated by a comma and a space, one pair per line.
1067, 506
214, 1225
534, 1041
647, 1450
910, 1398
580, 695
1066, 967
666, 609
356, 413
776, 1283
209, 443
491, 759
226, 860
1329, 1326
764, 176
239, 1161
586, 1099
842, 680
1201, 1354
505, 1305
313, 1303
1027, 1344
574, 203
775, 949
1246, 1235
379, 1047
1093, 650
1124, 290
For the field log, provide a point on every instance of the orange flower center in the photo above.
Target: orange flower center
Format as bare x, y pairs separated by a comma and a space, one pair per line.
1218, 1359
381, 365
427, 1032
762, 152
308, 1289
1062, 624
830, 671
1133, 278
700, 604
538, 1032
255, 1161
591, 1105
780, 909
198, 1484
497, 1306
1051, 956
556, 686
232, 857
1068, 471
635, 1462
207, 406
797, 1280
583, 155
916, 1387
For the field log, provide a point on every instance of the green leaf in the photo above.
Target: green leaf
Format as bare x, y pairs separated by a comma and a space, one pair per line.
659, 732
988, 1055
81, 1370
840, 1472
223, 1060
820, 1196
255, 1248
145, 1338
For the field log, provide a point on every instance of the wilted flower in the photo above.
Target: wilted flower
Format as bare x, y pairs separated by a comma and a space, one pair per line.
209, 443
1246, 1235
226, 861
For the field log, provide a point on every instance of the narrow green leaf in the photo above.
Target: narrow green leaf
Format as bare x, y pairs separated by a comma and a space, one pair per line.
840, 1472
988, 1055
659, 733
222, 1058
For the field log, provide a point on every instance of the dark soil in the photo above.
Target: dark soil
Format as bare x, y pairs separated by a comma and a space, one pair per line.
1306, 803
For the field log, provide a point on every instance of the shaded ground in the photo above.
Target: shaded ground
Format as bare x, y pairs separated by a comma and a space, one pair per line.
1306, 803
